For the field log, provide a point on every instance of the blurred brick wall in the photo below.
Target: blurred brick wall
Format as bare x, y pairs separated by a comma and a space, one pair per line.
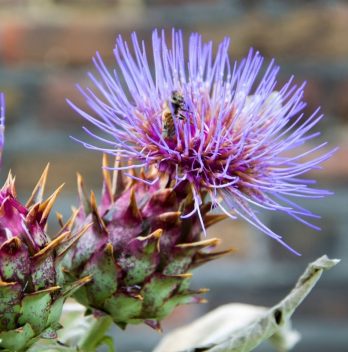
46, 47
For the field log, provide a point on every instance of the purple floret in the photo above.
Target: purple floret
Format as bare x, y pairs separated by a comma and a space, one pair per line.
237, 136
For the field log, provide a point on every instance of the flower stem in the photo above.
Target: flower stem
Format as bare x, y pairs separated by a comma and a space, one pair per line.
95, 336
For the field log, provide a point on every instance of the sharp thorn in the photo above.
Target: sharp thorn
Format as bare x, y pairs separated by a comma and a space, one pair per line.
117, 179
81, 193
51, 246
48, 290
46, 207
60, 219
37, 194
77, 284
139, 297
32, 214
107, 186
95, 213
203, 257
211, 219
164, 181
169, 218
6, 284
205, 208
109, 250
203, 290
69, 224
75, 238
163, 196
157, 234
9, 184
133, 207
212, 242
182, 276
93, 202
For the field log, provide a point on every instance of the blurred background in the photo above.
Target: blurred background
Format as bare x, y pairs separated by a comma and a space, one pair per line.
46, 48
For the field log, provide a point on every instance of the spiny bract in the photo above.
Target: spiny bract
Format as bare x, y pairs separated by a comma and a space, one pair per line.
139, 250
30, 300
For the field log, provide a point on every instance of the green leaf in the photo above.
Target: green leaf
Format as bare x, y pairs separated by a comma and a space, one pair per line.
104, 271
157, 291
55, 311
171, 303
36, 309
122, 307
9, 305
16, 340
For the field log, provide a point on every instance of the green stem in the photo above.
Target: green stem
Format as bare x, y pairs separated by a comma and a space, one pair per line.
96, 334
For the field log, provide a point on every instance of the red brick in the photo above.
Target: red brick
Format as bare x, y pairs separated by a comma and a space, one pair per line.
305, 34
53, 44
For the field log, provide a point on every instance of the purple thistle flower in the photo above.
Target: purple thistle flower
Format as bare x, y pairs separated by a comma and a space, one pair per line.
2, 123
215, 124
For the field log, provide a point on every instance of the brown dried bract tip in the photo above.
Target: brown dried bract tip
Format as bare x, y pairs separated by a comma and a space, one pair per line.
59, 217
71, 240
131, 172
170, 218
182, 276
77, 284
117, 179
48, 290
10, 183
70, 223
203, 290
37, 194
109, 249
212, 242
163, 196
82, 195
96, 216
204, 257
133, 207
46, 207
157, 234
85, 279
7, 284
33, 213
211, 219
80, 189
51, 245
107, 178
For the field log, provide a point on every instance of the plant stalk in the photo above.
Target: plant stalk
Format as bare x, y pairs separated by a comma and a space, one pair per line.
96, 334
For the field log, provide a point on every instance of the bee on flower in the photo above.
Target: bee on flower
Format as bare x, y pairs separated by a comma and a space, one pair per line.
227, 130
173, 109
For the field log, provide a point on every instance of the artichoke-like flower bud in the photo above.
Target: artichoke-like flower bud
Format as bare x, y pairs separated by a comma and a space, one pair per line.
139, 251
30, 299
